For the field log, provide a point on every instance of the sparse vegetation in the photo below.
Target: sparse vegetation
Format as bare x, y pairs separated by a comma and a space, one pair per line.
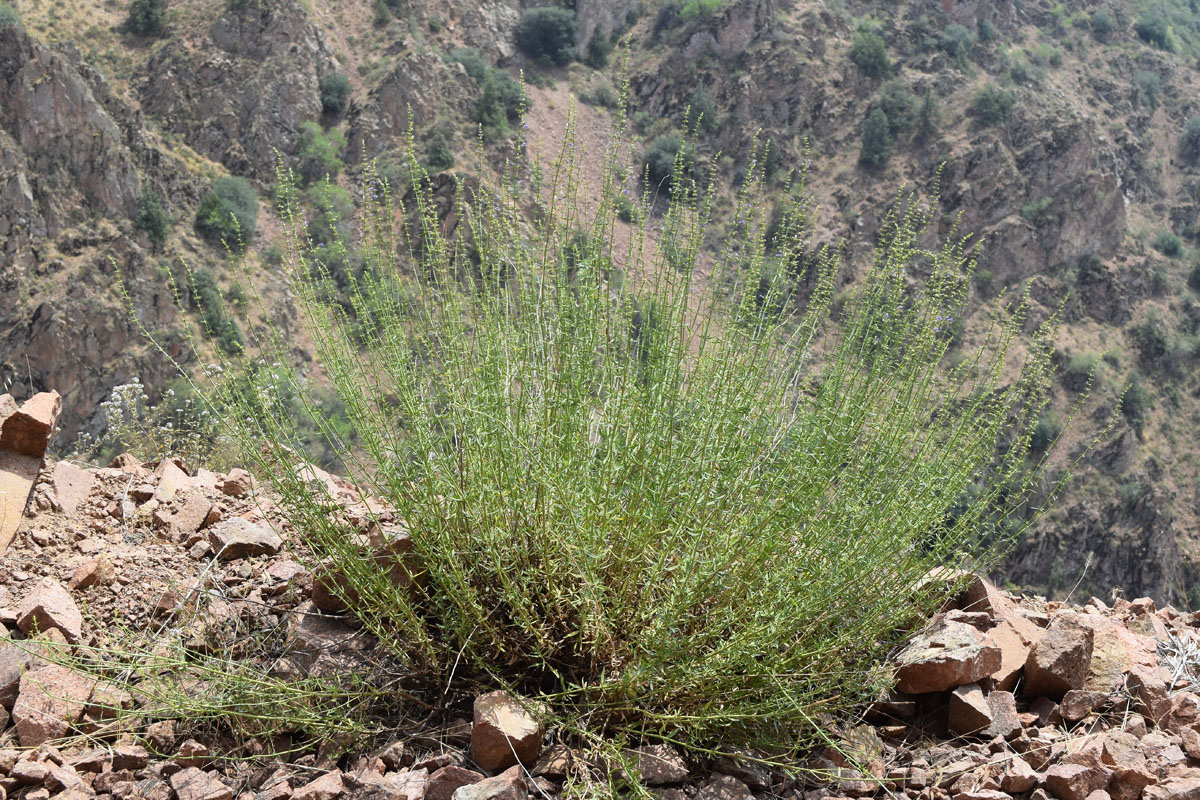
335, 92
547, 35
320, 151
228, 214
152, 218
958, 42
869, 52
1189, 141
992, 105
662, 157
876, 141
9, 15
1168, 244
147, 17
1153, 28
1104, 22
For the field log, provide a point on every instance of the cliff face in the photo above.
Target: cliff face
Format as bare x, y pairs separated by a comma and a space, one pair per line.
1066, 191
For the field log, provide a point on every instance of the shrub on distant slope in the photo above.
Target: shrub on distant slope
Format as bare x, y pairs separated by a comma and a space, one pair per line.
869, 52
1189, 141
335, 91
992, 105
147, 17
876, 141
9, 15
152, 217
228, 213
547, 34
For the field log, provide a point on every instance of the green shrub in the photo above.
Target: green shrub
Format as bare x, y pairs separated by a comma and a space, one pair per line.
958, 42
1104, 22
627, 210
1193, 279
1037, 212
1078, 371
9, 15
152, 218
928, 117
701, 116
1189, 141
876, 141
335, 91
547, 35
472, 61
1154, 29
438, 155
987, 31
899, 106
206, 299
228, 214
147, 17
992, 105
1045, 433
662, 501
599, 49
1135, 403
662, 157
693, 9
869, 52
319, 154
1168, 244
1149, 85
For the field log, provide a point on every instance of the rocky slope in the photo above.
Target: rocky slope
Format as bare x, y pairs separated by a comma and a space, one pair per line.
1066, 190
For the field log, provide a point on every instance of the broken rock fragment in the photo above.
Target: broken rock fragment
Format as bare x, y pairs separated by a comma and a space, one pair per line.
49, 605
195, 784
508, 785
239, 538
504, 732
950, 655
28, 429
71, 485
51, 699
1060, 661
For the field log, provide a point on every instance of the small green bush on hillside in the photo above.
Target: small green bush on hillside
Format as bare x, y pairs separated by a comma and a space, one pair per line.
869, 52
958, 42
547, 35
206, 299
992, 105
1149, 86
1168, 244
319, 154
147, 17
1153, 28
228, 214
876, 141
1189, 141
1104, 22
152, 218
899, 105
335, 91
661, 157
9, 15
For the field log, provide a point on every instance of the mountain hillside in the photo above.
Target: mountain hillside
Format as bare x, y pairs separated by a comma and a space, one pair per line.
1064, 137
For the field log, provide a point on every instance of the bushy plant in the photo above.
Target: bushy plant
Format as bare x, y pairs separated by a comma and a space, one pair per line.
1168, 244
207, 300
319, 153
9, 15
228, 214
701, 115
599, 49
1104, 22
1149, 85
1037, 212
1135, 403
876, 141
1153, 28
1189, 141
335, 91
147, 17
928, 117
660, 487
152, 218
662, 157
869, 52
547, 35
899, 105
438, 154
1078, 371
991, 105
957, 41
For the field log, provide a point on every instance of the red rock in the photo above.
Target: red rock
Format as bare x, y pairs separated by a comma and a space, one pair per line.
326, 787
658, 764
508, 785
326, 577
192, 754
1191, 742
49, 605
1014, 652
980, 794
1099, 794
28, 430
1174, 789
1060, 660
190, 518
195, 784
1078, 703
96, 571
50, 701
71, 485
172, 479
1006, 723
29, 772
504, 732
239, 538
968, 710
446, 780
951, 654
724, 787
1018, 777
1074, 781
1149, 686
237, 483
